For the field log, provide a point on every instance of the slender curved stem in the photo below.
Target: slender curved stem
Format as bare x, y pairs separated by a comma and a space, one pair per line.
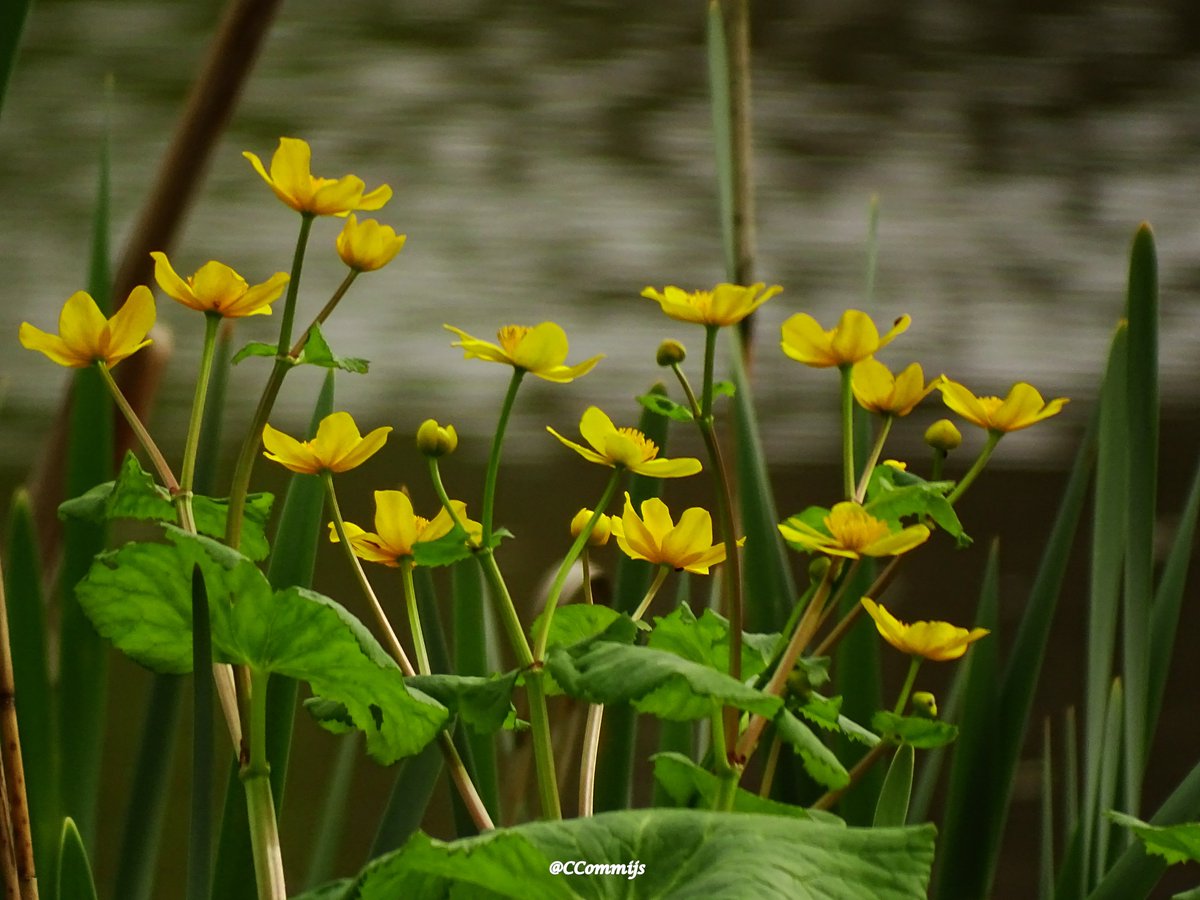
493, 466
873, 459
165, 475
985, 454
874, 591
861, 768
212, 322
585, 564
560, 579
768, 779
847, 433
909, 680
414, 617
325, 312
256, 777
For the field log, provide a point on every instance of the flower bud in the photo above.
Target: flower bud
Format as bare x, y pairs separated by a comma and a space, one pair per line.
942, 435
436, 440
817, 568
670, 353
366, 246
924, 704
600, 533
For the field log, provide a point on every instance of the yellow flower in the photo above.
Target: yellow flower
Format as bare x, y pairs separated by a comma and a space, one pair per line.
368, 246
878, 390
217, 288
1022, 407
337, 447
656, 539
601, 531
541, 350
725, 304
398, 529
854, 338
939, 641
292, 181
626, 447
852, 532
85, 336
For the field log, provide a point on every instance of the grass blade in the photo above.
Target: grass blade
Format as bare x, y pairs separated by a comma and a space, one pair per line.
292, 563
74, 881
332, 817
12, 24
31, 674
1142, 388
1168, 600
415, 780
83, 656
892, 811
972, 759
199, 877
1110, 761
631, 579
1046, 862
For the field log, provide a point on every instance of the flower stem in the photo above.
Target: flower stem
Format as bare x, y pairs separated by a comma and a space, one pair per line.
560, 579
861, 768
847, 432
242, 470
156, 458
909, 680
874, 591
939, 460
506, 607
873, 459
768, 778
985, 454
591, 732
586, 565
493, 466
260, 806
328, 308
414, 617
729, 776
183, 500
339, 525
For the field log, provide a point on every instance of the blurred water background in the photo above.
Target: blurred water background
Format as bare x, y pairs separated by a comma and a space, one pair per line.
551, 159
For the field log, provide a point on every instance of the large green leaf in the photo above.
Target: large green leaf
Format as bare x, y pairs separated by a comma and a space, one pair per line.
920, 732
819, 761
673, 854
655, 681
1174, 843
706, 641
688, 784
483, 703
134, 495
894, 494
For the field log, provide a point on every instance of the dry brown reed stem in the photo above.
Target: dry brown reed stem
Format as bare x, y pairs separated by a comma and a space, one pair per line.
231, 56
8, 860
14, 768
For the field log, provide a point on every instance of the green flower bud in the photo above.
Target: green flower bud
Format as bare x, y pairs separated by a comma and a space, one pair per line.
436, 440
600, 533
942, 435
924, 704
817, 568
670, 353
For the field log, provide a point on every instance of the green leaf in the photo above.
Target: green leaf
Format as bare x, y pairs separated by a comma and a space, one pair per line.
329, 714
656, 682
255, 348
316, 352
673, 853
664, 406
334, 890
819, 761
688, 784
706, 641
1174, 843
825, 712
484, 703
894, 494
577, 622
892, 809
74, 880
922, 733
450, 548
724, 389
134, 495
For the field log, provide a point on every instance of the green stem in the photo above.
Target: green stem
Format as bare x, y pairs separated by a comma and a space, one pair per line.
909, 680
493, 466
984, 455
260, 806
339, 526
240, 484
585, 564
414, 617
183, 500
727, 790
325, 312
659, 577
772, 764
543, 746
139, 430
560, 579
506, 607
706, 386
873, 459
939, 460
847, 433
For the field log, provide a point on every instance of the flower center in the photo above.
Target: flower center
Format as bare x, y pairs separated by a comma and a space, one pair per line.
990, 405
854, 528
512, 335
646, 448
420, 524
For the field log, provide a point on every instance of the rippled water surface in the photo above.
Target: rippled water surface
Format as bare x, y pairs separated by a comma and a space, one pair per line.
550, 160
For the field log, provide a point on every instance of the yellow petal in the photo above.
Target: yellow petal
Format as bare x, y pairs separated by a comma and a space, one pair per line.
258, 167
80, 325
366, 448
667, 468
566, 374
595, 427
258, 299
963, 402
589, 455
375, 199
125, 333
873, 385
899, 542
542, 348
713, 556
474, 348
33, 338
289, 452
634, 537
898, 327
690, 539
170, 282
658, 519
291, 173
889, 627
805, 341
334, 197
395, 521
855, 337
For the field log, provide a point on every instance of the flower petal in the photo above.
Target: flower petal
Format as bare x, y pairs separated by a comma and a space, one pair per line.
337, 435
371, 444
291, 173
595, 426
289, 452
667, 468
657, 519
544, 347
395, 521
125, 333
33, 338
258, 299
873, 385
804, 340
170, 282
589, 455
474, 348
691, 539
963, 402
898, 327
899, 542
336, 197
855, 337
81, 324
566, 374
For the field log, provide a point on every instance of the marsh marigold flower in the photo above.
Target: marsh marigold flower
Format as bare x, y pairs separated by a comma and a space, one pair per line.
366, 246
292, 181
217, 288
939, 641
626, 447
85, 336
541, 350
850, 531
855, 338
337, 447
601, 531
725, 304
878, 390
398, 529
1022, 407
654, 537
